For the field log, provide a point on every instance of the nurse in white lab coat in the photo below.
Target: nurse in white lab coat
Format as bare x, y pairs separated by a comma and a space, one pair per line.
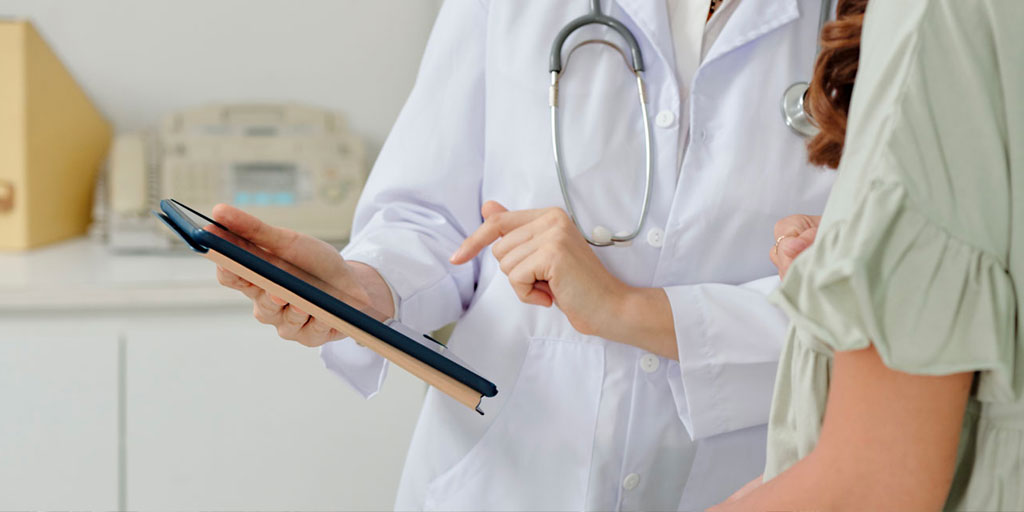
582, 422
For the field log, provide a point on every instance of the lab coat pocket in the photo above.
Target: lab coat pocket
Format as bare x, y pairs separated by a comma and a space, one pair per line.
536, 455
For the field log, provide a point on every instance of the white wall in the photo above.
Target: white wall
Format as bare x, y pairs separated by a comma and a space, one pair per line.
140, 59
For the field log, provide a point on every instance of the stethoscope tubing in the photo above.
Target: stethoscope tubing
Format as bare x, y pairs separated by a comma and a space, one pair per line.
595, 17
636, 63
792, 105
563, 182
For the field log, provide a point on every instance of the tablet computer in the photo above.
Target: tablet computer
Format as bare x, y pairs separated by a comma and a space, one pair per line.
416, 352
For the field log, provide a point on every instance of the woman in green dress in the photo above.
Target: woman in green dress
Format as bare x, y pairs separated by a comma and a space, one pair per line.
901, 385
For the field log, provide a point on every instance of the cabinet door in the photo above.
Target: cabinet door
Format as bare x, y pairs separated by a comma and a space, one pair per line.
58, 414
224, 415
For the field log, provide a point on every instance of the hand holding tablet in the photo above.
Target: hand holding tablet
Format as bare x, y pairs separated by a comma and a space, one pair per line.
334, 305
310, 254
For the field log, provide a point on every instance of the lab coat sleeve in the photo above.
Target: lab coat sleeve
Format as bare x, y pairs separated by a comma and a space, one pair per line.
729, 339
423, 196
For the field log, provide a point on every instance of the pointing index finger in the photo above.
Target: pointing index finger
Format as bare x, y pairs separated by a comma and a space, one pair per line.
494, 227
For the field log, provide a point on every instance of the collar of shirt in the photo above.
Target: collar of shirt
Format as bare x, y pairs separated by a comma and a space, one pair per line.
693, 34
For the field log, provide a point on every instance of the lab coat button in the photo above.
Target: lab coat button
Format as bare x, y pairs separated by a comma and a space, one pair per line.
631, 481
665, 118
655, 237
649, 363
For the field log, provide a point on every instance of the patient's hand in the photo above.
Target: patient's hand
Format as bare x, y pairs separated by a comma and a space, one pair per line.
793, 235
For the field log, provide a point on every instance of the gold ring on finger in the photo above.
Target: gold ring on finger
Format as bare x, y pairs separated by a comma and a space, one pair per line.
777, 242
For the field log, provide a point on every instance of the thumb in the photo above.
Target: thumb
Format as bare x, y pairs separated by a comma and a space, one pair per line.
251, 228
793, 246
492, 207
285, 247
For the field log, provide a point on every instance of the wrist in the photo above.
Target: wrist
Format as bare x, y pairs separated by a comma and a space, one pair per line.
376, 288
643, 318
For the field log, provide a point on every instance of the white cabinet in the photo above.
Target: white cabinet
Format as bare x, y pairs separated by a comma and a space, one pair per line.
58, 415
224, 415
118, 393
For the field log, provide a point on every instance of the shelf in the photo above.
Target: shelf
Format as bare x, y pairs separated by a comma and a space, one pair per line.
83, 275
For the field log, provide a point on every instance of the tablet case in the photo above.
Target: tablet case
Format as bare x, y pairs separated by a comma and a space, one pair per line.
427, 360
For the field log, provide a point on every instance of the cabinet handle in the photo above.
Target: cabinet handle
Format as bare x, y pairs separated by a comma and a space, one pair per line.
6, 196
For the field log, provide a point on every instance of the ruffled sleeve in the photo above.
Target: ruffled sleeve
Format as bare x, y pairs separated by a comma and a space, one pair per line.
918, 252
915, 253
929, 302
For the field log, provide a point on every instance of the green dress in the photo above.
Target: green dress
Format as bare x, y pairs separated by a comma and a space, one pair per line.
921, 247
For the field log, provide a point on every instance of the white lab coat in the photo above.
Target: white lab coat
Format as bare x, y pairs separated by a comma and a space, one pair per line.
581, 422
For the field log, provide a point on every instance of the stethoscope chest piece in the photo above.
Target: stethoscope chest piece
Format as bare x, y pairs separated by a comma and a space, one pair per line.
793, 110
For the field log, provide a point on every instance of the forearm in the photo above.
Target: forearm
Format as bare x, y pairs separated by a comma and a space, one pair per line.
888, 442
642, 317
808, 485
825, 480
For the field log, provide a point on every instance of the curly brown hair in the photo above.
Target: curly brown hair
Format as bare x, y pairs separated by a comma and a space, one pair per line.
828, 97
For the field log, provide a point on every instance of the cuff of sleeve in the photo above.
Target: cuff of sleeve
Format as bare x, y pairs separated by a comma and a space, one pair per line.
694, 380
422, 305
396, 301
360, 367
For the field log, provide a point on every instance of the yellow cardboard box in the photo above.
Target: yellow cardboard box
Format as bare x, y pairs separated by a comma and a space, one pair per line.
52, 143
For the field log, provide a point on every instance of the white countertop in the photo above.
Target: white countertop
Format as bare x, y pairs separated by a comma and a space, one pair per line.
83, 274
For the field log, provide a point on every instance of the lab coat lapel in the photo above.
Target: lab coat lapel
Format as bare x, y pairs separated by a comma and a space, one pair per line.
752, 19
651, 17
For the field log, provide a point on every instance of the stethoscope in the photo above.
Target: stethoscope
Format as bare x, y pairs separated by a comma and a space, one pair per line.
792, 111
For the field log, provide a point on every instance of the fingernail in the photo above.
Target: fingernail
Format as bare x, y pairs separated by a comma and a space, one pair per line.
279, 302
456, 255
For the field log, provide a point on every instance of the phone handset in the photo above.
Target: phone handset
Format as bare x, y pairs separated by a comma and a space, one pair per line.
128, 175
